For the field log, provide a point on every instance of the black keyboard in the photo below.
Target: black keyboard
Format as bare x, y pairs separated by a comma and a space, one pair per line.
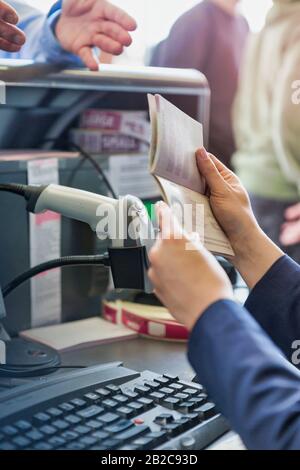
109, 407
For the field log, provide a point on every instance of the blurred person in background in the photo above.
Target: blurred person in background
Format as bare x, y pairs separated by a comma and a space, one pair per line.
69, 33
211, 38
267, 126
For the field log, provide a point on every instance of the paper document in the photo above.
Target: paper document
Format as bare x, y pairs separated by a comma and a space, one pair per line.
175, 139
79, 334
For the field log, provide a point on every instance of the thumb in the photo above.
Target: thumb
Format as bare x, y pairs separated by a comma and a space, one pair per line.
209, 171
168, 223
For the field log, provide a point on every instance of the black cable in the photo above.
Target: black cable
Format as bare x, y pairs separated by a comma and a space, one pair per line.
18, 189
86, 156
57, 263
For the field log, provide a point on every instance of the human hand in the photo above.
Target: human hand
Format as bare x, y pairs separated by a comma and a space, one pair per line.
254, 252
11, 37
186, 277
290, 231
85, 24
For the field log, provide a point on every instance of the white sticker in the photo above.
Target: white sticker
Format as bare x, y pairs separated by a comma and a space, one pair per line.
45, 236
130, 175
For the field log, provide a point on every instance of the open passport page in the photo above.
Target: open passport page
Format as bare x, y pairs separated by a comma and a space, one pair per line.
175, 139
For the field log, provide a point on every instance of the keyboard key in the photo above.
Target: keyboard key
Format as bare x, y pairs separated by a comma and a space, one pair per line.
191, 391
92, 396
146, 402
73, 419
197, 400
181, 396
108, 444
171, 378
82, 430
161, 380
108, 418
172, 429
56, 442
113, 388
121, 398
186, 407
157, 396
54, 412
9, 431
167, 390
100, 435
103, 392
132, 433
164, 419
43, 446
111, 404
75, 446
88, 441
7, 446
48, 430
41, 418
21, 442
23, 425
152, 385
35, 435
159, 437
61, 424
94, 424
176, 386
136, 406
90, 412
144, 443
78, 402
193, 418
142, 389
119, 427
206, 411
184, 424
67, 407
171, 403
69, 435
126, 412
131, 394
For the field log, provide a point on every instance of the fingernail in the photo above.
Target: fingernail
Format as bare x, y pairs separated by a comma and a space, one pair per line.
10, 19
202, 154
18, 39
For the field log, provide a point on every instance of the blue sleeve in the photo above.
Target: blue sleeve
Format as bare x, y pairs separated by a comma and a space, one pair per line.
41, 44
275, 304
252, 383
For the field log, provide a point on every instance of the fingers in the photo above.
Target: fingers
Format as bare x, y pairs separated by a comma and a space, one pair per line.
293, 212
116, 32
87, 56
8, 14
106, 44
209, 171
290, 234
168, 224
119, 16
11, 34
8, 46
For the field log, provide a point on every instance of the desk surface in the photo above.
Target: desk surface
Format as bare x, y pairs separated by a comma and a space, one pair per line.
138, 354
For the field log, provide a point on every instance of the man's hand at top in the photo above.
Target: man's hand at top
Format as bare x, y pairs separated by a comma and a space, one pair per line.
85, 24
11, 38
